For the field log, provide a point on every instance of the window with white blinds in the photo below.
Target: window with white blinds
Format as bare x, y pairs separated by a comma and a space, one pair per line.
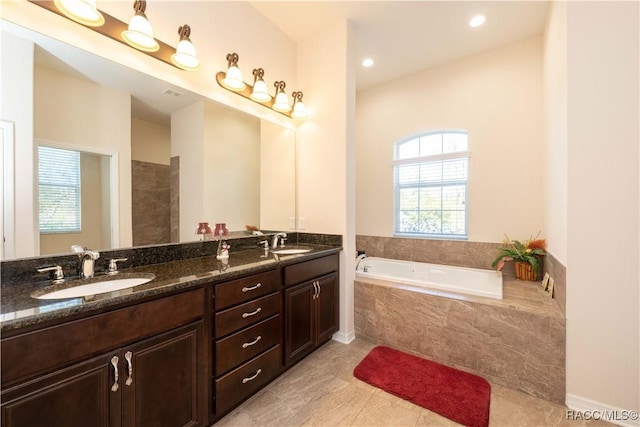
59, 190
430, 185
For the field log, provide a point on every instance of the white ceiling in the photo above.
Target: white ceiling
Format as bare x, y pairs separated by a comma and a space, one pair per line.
403, 37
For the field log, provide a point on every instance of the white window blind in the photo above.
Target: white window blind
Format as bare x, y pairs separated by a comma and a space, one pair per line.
430, 185
59, 190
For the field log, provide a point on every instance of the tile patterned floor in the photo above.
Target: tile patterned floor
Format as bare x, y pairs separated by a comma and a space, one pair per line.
322, 391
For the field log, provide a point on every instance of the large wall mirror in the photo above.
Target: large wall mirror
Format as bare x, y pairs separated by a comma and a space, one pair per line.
183, 159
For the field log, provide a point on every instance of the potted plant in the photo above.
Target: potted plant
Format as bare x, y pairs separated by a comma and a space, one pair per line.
527, 256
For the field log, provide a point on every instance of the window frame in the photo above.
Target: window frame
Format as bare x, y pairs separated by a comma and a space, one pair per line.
425, 159
68, 230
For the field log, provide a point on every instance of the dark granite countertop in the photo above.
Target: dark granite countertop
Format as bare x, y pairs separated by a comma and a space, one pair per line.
19, 309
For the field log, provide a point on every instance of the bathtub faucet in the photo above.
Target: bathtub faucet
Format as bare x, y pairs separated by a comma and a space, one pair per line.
359, 258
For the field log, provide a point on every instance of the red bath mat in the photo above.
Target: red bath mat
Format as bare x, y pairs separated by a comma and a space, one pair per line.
457, 395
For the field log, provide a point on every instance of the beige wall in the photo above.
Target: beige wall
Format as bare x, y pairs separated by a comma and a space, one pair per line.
16, 81
91, 235
496, 96
150, 142
219, 151
555, 127
187, 136
326, 158
277, 177
232, 167
60, 116
603, 204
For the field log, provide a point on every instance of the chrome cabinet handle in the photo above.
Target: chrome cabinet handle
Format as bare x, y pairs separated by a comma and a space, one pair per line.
318, 285
127, 357
251, 378
114, 363
252, 288
316, 290
252, 313
254, 342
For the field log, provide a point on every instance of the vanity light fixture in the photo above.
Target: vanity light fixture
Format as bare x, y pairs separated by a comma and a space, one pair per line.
185, 56
139, 34
260, 92
82, 11
281, 103
129, 34
233, 79
299, 110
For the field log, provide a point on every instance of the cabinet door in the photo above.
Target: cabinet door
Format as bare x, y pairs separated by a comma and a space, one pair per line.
161, 380
299, 321
80, 395
327, 308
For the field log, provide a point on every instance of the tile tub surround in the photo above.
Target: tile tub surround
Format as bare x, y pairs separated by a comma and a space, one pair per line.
518, 342
448, 252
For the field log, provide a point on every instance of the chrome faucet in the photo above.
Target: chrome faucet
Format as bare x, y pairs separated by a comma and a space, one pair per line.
87, 262
274, 242
359, 258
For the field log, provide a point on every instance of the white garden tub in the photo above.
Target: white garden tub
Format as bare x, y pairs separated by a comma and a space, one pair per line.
471, 281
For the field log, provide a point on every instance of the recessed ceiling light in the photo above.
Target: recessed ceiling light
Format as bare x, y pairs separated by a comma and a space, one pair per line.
368, 62
477, 20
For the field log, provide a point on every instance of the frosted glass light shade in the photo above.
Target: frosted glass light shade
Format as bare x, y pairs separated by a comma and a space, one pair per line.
299, 111
282, 103
260, 92
233, 79
140, 34
185, 56
82, 11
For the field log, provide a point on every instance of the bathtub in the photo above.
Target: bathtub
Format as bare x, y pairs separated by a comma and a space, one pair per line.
471, 281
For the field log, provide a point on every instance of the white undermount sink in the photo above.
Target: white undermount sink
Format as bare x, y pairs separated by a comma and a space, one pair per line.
98, 286
290, 251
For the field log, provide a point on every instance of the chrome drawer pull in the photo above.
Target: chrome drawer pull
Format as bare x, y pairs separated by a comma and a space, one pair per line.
252, 288
127, 356
114, 362
254, 342
251, 378
253, 313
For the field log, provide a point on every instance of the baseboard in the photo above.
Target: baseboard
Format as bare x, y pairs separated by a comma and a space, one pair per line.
586, 409
344, 338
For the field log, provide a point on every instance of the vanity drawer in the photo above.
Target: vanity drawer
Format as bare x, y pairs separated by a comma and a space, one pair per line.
236, 318
298, 273
242, 346
245, 289
245, 380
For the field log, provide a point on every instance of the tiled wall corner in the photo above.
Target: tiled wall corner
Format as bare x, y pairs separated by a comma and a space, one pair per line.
150, 203
174, 195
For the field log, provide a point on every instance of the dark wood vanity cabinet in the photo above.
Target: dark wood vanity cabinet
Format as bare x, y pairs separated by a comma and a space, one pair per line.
156, 381
311, 300
247, 338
